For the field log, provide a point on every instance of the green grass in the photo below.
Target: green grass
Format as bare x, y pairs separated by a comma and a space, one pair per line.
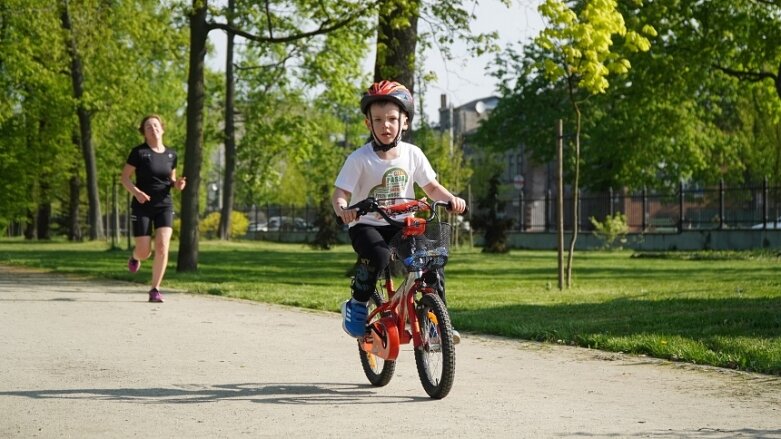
716, 308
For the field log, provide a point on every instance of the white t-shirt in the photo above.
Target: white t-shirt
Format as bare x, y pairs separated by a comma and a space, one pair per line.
365, 175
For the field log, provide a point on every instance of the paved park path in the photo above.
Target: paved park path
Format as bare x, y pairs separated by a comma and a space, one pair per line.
92, 359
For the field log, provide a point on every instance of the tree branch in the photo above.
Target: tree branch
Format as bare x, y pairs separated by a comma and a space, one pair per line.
269, 25
769, 2
277, 65
746, 75
325, 27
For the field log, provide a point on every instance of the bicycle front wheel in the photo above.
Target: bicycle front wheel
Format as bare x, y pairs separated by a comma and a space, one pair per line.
377, 370
436, 357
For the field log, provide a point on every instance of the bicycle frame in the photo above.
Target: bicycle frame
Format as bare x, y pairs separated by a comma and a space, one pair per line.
395, 313
403, 316
387, 333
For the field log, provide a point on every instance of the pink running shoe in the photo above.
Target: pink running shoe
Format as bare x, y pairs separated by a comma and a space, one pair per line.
155, 296
133, 264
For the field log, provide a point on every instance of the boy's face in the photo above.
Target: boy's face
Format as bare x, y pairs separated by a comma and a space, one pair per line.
385, 121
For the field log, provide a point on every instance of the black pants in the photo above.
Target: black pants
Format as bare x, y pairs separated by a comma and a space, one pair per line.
371, 244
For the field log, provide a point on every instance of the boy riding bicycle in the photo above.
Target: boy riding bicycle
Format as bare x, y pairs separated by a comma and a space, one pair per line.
384, 168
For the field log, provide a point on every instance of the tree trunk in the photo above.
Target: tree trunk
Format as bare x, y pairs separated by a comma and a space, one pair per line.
327, 228
85, 129
396, 46
43, 215
193, 159
43, 220
575, 198
395, 59
230, 135
74, 227
560, 199
30, 229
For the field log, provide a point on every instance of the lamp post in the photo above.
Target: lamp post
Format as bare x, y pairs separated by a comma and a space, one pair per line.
216, 204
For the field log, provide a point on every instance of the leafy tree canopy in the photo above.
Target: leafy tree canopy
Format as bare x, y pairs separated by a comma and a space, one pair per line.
700, 105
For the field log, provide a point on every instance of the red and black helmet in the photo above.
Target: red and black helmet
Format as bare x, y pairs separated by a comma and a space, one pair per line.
389, 91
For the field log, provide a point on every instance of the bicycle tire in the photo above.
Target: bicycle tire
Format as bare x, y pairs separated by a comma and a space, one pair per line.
436, 361
378, 371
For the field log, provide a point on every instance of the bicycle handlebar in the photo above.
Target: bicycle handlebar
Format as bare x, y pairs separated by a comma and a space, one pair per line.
370, 205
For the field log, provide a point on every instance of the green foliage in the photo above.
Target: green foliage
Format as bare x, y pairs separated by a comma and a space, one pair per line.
151, 47
455, 23
527, 112
579, 43
131, 56
446, 157
292, 113
611, 231
577, 49
37, 155
676, 114
445, 23
134, 57
210, 225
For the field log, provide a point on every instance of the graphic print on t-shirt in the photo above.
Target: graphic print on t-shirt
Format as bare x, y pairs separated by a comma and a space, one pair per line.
393, 185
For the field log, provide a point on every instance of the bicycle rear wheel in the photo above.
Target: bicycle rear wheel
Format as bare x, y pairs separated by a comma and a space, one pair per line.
378, 371
436, 357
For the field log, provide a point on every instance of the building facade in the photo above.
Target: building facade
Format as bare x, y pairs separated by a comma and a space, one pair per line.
525, 184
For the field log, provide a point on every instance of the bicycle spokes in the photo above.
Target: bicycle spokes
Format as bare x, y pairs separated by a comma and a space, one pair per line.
432, 342
435, 358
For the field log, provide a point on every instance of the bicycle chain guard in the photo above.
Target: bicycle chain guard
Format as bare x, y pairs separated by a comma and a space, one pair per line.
383, 340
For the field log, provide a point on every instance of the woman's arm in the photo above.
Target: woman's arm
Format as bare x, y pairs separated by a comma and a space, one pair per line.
180, 183
127, 182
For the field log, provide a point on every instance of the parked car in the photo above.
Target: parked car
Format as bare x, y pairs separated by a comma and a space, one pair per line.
257, 227
281, 223
770, 224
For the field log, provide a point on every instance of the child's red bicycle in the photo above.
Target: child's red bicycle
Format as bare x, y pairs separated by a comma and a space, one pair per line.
414, 312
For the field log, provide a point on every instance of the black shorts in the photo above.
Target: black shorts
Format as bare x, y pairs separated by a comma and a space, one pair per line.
143, 218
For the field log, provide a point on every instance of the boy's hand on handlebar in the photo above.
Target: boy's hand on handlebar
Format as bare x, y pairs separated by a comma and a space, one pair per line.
457, 205
347, 215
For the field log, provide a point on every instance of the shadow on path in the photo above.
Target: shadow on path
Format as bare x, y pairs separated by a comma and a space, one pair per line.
267, 393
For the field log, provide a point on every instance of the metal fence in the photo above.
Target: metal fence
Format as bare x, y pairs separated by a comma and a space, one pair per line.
692, 208
713, 208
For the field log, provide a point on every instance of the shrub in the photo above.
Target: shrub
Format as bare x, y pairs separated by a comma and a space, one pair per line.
611, 231
210, 225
